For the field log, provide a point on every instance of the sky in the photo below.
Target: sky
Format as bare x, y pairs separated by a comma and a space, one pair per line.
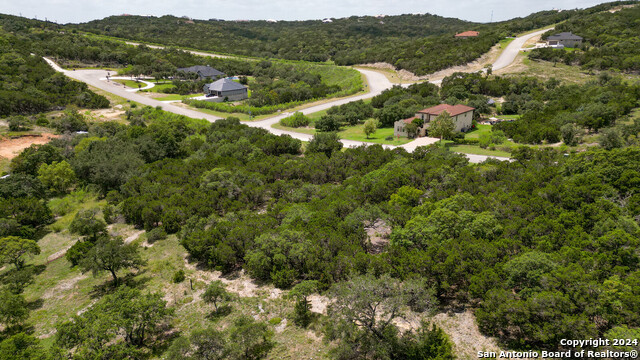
65, 11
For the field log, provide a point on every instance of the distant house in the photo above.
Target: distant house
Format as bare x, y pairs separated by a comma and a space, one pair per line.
462, 116
327, 20
467, 34
203, 72
564, 39
225, 89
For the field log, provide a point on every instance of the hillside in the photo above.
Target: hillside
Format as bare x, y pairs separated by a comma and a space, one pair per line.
611, 41
419, 43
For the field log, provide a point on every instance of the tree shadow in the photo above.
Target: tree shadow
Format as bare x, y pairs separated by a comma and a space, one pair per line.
166, 334
223, 310
131, 280
35, 305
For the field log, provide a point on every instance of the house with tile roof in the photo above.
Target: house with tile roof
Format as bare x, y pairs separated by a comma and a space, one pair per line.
462, 116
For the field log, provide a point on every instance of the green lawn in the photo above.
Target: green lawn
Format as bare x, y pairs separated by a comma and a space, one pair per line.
479, 130
508, 117
129, 83
176, 97
355, 133
379, 137
474, 149
505, 42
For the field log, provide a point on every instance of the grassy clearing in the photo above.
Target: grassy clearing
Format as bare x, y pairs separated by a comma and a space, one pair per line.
379, 137
390, 74
65, 208
508, 117
546, 70
505, 42
479, 130
474, 149
157, 87
129, 83
176, 97
4, 165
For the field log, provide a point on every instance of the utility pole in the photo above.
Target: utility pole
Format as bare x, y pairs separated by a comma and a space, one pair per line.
491, 16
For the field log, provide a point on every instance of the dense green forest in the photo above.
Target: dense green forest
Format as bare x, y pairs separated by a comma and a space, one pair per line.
419, 43
28, 85
610, 41
560, 230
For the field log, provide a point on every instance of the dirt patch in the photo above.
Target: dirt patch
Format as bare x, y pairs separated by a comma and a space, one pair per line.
319, 303
63, 286
473, 66
240, 283
378, 234
59, 254
133, 237
110, 114
465, 334
11, 148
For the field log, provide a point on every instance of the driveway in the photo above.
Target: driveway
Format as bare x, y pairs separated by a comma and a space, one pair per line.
509, 54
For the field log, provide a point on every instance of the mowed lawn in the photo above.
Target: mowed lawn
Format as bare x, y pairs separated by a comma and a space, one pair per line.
129, 83
379, 137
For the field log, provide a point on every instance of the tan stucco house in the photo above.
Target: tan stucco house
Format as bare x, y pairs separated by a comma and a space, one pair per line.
462, 116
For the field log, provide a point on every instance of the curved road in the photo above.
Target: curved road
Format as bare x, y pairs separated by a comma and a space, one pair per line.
377, 83
509, 54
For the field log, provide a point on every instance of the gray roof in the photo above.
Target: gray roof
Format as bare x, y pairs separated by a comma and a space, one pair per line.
564, 36
204, 71
225, 85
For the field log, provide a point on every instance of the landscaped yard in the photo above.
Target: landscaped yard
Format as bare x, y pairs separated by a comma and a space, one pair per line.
479, 130
379, 137
129, 83
175, 97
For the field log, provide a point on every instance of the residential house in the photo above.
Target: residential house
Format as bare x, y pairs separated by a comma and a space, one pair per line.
203, 72
462, 116
564, 39
467, 34
225, 90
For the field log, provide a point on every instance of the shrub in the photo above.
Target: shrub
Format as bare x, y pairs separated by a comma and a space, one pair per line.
156, 234
179, 276
19, 123
328, 123
78, 251
275, 321
296, 120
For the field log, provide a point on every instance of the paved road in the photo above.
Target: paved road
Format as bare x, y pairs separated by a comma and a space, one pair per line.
509, 54
377, 83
